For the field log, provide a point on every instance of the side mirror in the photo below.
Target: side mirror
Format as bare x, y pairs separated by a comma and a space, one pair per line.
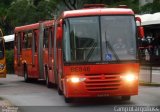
59, 30
140, 31
139, 20
140, 28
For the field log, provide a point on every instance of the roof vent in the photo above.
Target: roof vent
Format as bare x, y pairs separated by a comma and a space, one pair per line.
122, 6
94, 6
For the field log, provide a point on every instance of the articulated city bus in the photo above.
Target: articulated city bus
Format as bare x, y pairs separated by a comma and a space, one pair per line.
2, 56
33, 52
90, 52
97, 53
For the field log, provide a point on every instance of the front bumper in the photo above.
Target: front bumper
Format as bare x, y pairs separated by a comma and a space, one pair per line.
98, 89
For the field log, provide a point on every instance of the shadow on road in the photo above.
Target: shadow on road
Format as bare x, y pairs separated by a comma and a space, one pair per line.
108, 104
36, 82
83, 105
78, 102
1, 84
100, 101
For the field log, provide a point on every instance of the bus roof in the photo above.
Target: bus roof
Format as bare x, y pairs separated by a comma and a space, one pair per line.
97, 11
33, 26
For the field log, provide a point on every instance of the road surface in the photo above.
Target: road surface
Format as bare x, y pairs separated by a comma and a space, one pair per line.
36, 97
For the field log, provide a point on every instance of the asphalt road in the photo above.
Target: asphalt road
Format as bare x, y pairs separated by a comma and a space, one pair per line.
36, 97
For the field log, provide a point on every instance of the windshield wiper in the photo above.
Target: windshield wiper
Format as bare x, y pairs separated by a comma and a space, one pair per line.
91, 51
108, 45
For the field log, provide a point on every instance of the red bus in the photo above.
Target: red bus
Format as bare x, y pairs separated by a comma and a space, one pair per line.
33, 56
90, 52
97, 53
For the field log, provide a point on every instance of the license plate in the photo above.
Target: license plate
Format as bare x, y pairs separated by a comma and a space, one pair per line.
102, 95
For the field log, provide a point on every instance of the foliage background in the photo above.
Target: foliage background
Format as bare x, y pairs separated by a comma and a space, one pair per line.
21, 12
9, 58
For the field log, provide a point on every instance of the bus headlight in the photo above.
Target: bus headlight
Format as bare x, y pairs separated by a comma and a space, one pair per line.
2, 66
130, 77
76, 79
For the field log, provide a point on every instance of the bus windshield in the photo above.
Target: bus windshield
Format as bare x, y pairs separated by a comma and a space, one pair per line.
1, 48
99, 39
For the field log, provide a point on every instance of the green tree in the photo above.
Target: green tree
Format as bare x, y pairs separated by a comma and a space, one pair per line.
9, 61
46, 9
76, 4
151, 7
24, 12
4, 23
133, 4
21, 12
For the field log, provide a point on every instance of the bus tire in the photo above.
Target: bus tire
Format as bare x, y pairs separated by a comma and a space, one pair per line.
48, 84
68, 100
26, 79
60, 91
126, 98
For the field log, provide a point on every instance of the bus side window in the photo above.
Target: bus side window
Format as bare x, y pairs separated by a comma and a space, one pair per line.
30, 36
19, 47
50, 41
27, 39
35, 40
45, 39
15, 41
52, 36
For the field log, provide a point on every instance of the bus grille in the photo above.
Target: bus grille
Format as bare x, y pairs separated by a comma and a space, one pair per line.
102, 82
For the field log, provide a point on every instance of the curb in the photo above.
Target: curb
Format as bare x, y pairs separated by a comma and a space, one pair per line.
5, 102
149, 84
7, 106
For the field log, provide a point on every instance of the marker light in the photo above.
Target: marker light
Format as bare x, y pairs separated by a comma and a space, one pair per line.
76, 79
129, 77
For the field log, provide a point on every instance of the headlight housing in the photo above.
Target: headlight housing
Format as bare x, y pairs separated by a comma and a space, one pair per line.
76, 79
130, 77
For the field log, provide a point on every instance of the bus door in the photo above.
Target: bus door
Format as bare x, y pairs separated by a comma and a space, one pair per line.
34, 48
18, 57
50, 55
40, 50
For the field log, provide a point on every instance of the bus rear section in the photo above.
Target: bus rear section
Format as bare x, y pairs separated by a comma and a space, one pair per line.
2, 56
97, 53
33, 51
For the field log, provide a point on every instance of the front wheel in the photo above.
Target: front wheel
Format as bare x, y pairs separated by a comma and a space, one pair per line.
68, 100
60, 91
48, 83
26, 79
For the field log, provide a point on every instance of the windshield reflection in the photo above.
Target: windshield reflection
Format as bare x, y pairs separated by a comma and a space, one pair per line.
99, 39
118, 38
82, 42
